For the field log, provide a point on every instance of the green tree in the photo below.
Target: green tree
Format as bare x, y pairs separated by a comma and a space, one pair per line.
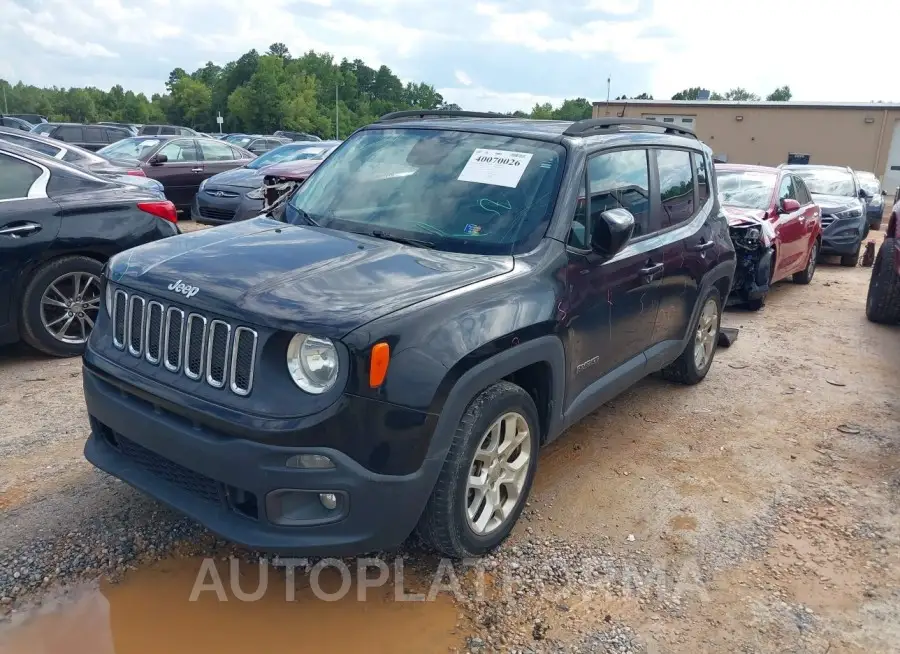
279, 50
542, 111
741, 94
693, 92
574, 109
193, 99
781, 94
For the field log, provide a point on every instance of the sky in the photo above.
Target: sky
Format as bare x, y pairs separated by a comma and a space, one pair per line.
484, 55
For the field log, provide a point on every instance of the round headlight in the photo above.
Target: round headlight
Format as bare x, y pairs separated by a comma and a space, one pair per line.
312, 363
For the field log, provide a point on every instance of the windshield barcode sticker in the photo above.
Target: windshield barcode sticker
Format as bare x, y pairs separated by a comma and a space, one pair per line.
497, 167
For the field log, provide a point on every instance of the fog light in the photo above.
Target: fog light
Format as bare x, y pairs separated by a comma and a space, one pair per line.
315, 461
328, 500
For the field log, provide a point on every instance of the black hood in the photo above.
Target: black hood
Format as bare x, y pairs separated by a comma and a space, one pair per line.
836, 203
297, 278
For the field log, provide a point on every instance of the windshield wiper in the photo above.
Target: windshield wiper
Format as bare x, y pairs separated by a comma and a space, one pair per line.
401, 239
309, 219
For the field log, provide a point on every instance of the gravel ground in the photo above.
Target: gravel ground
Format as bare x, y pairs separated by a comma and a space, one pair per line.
756, 512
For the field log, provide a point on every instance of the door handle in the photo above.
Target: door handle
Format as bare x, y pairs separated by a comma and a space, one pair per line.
702, 246
20, 230
652, 270
196, 170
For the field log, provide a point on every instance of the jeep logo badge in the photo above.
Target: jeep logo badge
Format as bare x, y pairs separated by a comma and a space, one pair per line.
185, 289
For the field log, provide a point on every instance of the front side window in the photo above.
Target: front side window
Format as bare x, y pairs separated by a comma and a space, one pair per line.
621, 180
16, 177
180, 151
69, 133
787, 191
457, 191
676, 186
871, 185
215, 151
802, 192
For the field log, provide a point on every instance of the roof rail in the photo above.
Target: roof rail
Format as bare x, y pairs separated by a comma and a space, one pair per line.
585, 127
438, 113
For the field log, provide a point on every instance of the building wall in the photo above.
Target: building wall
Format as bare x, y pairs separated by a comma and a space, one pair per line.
765, 135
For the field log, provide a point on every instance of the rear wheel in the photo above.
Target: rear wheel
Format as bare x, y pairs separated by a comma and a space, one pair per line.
883, 300
805, 276
487, 475
61, 304
693, 364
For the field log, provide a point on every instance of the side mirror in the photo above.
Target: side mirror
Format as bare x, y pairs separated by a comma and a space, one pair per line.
789, 205
158, 159
883, 192
863, 194
610, 234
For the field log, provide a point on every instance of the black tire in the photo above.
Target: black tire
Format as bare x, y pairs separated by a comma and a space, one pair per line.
883, 299
684, 369
850, 260
876, 226
757, 303
805, 276
444, 524
33, 331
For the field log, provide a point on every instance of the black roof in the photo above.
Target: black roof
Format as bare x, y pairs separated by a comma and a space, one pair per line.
552, 130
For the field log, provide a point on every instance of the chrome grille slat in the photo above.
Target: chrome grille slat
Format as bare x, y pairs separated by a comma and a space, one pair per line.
207, 350
217, 353
135, 334
174, 331
154, 332
194, 346
243, 360
120, 313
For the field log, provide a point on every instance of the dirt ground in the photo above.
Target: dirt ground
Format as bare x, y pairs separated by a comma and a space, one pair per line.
756, 512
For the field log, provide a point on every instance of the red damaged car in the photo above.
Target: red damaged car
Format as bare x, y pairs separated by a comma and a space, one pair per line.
775, 226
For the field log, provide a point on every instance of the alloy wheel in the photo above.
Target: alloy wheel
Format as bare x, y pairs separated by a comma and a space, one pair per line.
707, 334
69, 307
498, 474
811, 266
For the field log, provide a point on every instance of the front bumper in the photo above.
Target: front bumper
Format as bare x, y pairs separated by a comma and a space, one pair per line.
843, 235
236, 487
211, 210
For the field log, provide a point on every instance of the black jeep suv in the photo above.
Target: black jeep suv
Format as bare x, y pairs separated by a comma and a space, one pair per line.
446, 294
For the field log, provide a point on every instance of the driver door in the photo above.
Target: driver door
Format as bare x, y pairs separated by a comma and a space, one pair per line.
791, 230
182, 171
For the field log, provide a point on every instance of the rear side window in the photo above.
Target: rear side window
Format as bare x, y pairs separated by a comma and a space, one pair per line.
621, 180
95, 135
33, 144
186, 132
215, 151
69, 133
149, 129
113, 134
676, 186
702, 178
237, 153
172, 131
16, 177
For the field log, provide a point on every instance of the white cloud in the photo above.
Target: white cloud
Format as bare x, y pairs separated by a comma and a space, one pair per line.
64, 45
481, 99
462, 78
617, 7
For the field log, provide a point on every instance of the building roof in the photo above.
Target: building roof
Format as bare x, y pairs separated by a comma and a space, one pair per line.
872, 106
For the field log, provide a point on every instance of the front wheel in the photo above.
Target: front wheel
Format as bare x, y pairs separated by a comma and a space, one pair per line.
487, 475
805, 276
850, 260
693, 364
61, 304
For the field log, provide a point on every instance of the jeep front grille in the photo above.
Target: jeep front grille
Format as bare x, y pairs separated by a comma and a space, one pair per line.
213, 351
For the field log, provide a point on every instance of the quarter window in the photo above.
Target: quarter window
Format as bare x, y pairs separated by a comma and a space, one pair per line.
702, 178
16, 177
676, 186
621, 180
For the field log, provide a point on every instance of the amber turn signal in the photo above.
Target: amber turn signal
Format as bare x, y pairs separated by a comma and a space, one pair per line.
378, 364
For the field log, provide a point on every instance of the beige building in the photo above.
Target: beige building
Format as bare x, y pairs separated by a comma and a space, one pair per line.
862, 136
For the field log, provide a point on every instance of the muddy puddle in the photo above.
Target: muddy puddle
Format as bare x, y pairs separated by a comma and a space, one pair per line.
184, 606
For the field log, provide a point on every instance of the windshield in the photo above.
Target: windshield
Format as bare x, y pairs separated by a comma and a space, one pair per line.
870, 184
288, 152
827, 181
459, 191
130, 148
42, 128
238, 139
746, 189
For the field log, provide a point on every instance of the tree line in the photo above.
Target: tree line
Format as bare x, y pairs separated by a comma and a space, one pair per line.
256, 93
